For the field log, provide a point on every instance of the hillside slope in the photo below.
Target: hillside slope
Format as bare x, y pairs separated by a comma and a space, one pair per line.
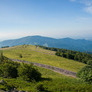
51, 81
39, 55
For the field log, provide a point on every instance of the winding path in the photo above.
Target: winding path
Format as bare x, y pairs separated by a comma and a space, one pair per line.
55, 69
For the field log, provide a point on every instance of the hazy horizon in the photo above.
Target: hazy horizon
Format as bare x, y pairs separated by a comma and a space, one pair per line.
51, 18
41, 36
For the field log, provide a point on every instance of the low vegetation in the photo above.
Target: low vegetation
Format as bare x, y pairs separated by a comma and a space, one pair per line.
36, 79
50, 82
32, 54
69, 54
10, 69
28, 72
86, 74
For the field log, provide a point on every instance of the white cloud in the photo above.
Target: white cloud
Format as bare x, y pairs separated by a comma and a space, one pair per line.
87, 5
88, 9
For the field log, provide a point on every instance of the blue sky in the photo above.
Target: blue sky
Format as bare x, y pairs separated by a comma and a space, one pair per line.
53, 18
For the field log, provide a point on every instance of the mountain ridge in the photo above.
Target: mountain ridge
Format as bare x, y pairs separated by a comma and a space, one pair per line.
66, 43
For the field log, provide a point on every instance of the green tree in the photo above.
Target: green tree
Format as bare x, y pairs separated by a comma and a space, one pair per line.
28, 72
89, 62
8, 70
86, 74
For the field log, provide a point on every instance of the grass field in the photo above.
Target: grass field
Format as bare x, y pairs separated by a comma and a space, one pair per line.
39, 55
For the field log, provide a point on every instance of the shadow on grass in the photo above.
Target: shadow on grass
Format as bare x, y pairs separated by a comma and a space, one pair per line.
45, 79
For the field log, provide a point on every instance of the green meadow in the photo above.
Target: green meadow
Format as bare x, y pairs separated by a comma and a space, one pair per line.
39, 55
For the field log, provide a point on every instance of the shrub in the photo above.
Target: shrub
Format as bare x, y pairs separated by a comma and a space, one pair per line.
40, 88
28, 72
1, 57
20, 55
86, 74
89, 62
8, 70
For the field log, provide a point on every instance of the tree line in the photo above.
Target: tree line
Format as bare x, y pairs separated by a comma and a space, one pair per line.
69, 54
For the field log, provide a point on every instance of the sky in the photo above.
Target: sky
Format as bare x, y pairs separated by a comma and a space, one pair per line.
52, 18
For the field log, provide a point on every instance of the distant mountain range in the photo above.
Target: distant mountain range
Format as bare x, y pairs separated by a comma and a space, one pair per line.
66, 43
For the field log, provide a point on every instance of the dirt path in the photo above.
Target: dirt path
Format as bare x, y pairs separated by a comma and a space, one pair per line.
55, 69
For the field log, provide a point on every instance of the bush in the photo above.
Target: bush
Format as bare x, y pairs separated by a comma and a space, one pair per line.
8, 70
20, 55
89, 62
1, 57
40, 88
28, 72
86, 74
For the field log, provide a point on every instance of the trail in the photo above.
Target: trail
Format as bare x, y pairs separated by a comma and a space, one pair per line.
53, 68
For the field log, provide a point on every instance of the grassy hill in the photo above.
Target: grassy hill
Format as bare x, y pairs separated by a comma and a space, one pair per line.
51, 81
39, 55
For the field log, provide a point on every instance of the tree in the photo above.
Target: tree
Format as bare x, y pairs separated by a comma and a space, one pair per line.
28, 72
89, 62
86, 74
8, 70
